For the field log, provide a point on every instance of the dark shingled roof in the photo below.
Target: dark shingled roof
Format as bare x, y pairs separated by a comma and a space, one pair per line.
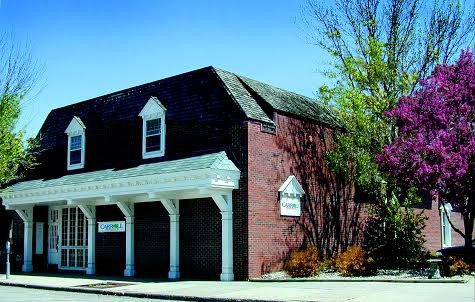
290, 102
252, 98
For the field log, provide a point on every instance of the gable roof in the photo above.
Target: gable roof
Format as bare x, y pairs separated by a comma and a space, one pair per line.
277, 98
192, 89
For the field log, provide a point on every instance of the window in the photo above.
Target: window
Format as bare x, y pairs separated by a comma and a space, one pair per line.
446, 229
76, 144
153, 135
153, 139
75, 149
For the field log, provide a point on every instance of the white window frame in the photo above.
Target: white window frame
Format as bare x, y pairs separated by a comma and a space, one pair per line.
151, 111
82, 248
76, 128
445, 228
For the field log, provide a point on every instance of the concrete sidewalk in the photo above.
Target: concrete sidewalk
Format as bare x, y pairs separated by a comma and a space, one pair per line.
250, 291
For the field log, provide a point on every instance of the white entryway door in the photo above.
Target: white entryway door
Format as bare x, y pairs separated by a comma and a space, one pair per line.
67, 238
73, 240
53, 235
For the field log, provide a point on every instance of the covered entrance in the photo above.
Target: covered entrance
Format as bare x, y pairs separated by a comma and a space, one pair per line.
67, 238
72, 200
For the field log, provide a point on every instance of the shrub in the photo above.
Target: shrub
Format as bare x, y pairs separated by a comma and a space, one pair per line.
394, 235
354, 262
453, 265
303, 263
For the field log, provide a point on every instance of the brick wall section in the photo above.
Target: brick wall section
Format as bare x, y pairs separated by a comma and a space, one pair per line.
200, 239
238, 153
110, 247
329, 219
432, 229
152, 240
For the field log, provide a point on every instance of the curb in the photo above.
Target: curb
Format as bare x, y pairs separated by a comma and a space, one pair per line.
364, 280
131, 294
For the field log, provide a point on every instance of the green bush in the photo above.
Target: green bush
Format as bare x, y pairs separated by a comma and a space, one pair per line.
394, 235
304, 263
354, 262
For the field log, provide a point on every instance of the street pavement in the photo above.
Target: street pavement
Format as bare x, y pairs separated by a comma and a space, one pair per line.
252, 291
18, 294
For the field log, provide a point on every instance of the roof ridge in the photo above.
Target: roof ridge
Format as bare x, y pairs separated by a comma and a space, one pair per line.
110, 94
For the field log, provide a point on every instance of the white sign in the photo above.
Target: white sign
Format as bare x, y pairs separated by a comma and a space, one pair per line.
111, 226
290, 206
39, 238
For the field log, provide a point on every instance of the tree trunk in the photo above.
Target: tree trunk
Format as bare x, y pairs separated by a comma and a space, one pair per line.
468, 221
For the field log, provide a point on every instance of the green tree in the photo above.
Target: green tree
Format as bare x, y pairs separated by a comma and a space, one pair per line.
19, 76
379, 50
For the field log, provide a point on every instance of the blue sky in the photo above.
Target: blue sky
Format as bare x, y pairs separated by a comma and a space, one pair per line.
90, 48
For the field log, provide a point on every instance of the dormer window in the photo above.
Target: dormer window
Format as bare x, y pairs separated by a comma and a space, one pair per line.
76, 144
153, 129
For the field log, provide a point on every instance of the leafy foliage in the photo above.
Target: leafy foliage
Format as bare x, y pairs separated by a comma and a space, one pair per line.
379, 50
394, 234
435, 149
354, 262
18, 76
304, 263
453, 265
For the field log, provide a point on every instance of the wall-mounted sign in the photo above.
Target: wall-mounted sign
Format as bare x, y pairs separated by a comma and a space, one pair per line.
39, 238
290, 206
111, 226
290, 193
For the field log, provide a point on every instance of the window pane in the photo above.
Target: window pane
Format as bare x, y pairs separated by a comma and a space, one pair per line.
153, 143
75, 157
76, 142
153, 127
447, 230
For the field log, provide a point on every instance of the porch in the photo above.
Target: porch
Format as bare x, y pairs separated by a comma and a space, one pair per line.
77, 197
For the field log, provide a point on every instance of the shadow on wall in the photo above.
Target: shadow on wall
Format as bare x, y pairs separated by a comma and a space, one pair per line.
330, 219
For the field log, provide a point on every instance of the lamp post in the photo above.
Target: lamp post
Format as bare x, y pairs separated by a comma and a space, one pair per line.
7, 248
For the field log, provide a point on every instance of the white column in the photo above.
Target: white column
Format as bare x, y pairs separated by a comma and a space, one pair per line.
225, 204
227, 246
91, 246
174, 272
90, 213
129, 247
127, 209
173, 208
28, 247
27, 217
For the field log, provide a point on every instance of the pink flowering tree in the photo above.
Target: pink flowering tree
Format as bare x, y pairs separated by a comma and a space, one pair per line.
435, 148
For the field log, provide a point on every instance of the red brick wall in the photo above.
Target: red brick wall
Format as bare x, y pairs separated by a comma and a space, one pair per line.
432, 229
329, 220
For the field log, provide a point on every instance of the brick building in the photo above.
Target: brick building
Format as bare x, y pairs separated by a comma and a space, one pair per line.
206, 174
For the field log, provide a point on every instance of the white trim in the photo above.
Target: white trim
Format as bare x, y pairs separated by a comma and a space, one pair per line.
291, 186
26, 214
76, 128
153, 109
154, 186
225, 205
445, 227
290, 193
